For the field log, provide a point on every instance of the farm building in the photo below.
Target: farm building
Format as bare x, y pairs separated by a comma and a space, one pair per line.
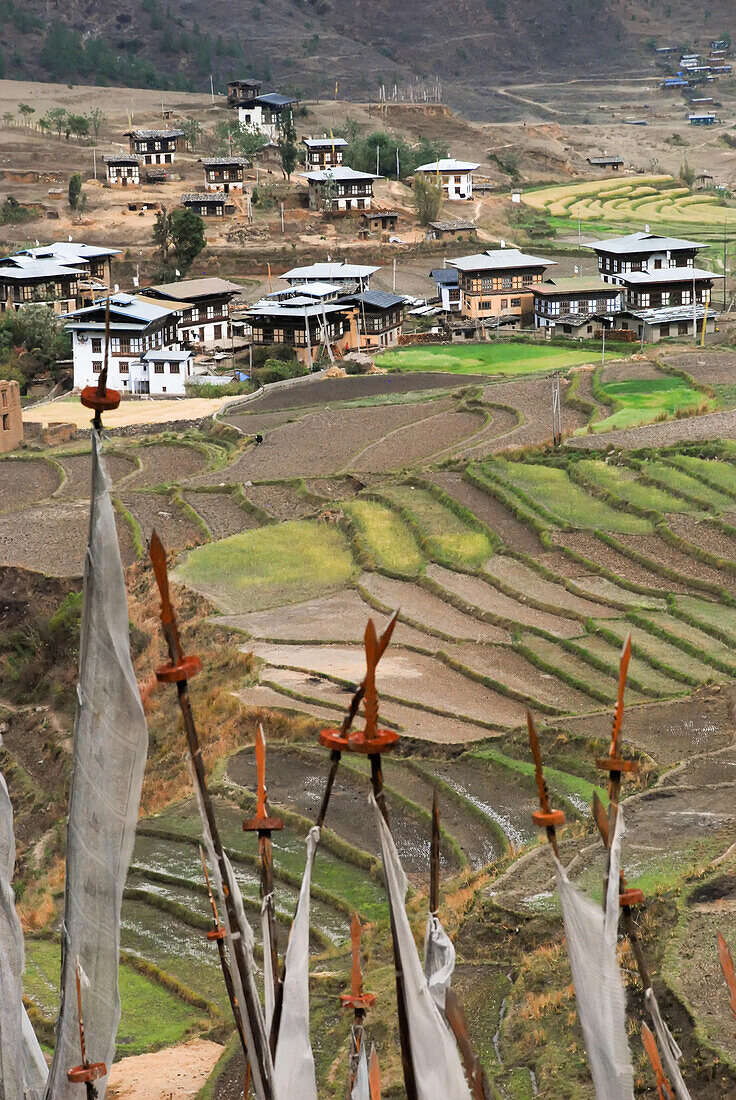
206, 319
704, 180
300, 323
375, 318
380, 221
705, 118
257, 111
11, 421
122, 170
66, 275
324, 152
208, 204
145, 355
350, 277
452, 231
611, 163
455, 176
656, 272
155, 146
657, 324
569, 306
340, 189
224, 174
497, 284
447, 280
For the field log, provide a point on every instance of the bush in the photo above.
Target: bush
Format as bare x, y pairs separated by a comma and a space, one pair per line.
276, 370
264, 352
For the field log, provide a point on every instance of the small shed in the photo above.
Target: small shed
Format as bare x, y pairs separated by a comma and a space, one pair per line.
208, 204
704, 180
454, 230
379, 221
156, 175
611, 163
122, 170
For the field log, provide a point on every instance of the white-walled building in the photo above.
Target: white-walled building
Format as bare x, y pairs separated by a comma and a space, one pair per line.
145, 355
122, 170
340, 189
205, 317
350, 277
455, 176
155, 146
259, 112
324, 152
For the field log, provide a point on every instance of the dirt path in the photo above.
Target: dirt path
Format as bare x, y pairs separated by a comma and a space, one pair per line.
170, 1074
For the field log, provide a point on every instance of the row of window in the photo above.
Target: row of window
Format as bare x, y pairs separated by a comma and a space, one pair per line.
472, 284
506, 303
124, 367
608, 263
554, 307
646, 300
39, 292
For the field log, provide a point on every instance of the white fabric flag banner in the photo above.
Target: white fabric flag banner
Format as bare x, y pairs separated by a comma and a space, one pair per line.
294, 1073
669, 1051
23, 1070
361, 1088
439, 960
591, 946
109, 758
437, 1067
243, 933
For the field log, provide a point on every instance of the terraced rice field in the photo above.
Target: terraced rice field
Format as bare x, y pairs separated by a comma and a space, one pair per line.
642, 199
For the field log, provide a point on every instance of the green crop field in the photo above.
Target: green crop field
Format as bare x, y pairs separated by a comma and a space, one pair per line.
642, 400
447, 537
658, 200
271, 565
386, 538
493, 358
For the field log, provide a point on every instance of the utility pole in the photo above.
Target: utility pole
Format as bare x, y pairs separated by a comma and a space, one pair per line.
394, 284
556, 410
603, 352
725, 263
212, 89
282, 219
94, 161
695, 310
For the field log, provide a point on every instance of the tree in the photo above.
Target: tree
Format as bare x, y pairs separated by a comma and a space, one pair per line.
192, 130
244, 141
427, 199
97, 117
26, 110
687, 174
162, 233
75, 190
78, 125
288, 148
56, 118
187, 235
8, 117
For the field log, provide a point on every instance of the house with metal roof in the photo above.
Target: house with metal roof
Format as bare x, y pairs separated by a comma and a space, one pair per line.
571, 306
122, 170
324, 152
208, 204
301, 323
455, 176
224, 174
496, 285
65, 275
144, 353
656, 273
155, 146
612, 163
447, 280
205, 322
375, 319
340, 189
257, 111
351, 277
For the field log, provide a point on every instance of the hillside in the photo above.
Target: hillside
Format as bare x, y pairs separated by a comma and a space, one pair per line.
472, 45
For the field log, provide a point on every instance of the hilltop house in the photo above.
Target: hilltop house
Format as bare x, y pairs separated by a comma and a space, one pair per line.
455, 176
64, 275
205, 320
324, 152
497, 285
340, 189
224, 173
11, 421
122, 170
379, 221
611, 163
352, 278
570, 306
664, 293
155, 146
256, 111
145, 353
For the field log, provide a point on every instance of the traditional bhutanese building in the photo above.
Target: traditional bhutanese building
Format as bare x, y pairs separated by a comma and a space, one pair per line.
455, 176
206, 319
155, 146
208, 204
570, 306
259, 112
340, 189
224, 173
122, 170
497, 285
324, 152
65, 275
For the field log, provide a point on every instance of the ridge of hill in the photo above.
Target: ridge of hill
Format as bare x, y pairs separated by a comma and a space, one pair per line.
312, 45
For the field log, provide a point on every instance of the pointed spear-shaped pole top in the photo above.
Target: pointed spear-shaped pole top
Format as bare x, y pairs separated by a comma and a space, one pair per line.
356, 998
728, 970
374, 1075
614, 763
179, 667
650, 1046
262, 823
545, 817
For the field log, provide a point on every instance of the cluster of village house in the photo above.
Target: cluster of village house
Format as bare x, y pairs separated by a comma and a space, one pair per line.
646, 284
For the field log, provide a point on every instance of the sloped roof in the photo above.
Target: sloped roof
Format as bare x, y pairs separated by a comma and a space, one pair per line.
667, 275
319, 142
377, 299
635, 243
445, 276
340, 173
186, 289
327, 271
448, 164
38, 269
499, 259
589, 285
130, 307
231, 162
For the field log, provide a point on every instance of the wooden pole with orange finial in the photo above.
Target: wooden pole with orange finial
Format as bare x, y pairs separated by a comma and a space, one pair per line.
356, 999
86, 1073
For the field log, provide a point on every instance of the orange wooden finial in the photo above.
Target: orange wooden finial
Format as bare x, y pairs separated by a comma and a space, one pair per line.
374, 1075
370, 702
261, 768
356, 998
